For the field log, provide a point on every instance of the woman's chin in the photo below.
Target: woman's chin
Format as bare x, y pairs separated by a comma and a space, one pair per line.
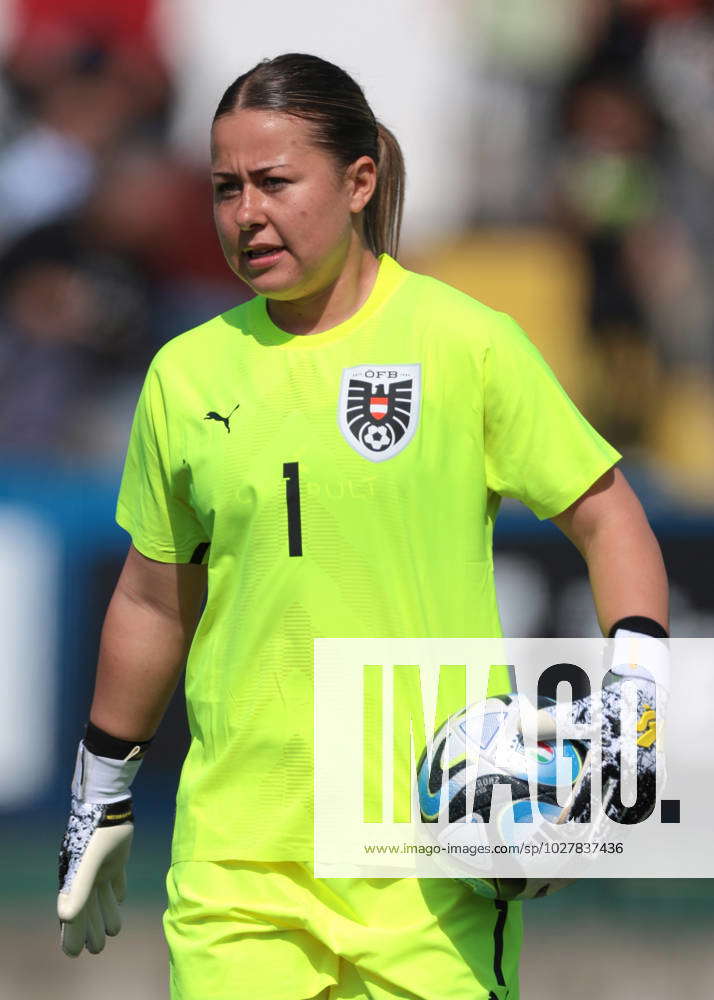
275, 281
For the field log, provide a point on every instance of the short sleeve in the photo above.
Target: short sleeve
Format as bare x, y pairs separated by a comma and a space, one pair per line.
539, 447
153, 503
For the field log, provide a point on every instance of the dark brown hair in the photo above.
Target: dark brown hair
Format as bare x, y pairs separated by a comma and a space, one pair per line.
342, 123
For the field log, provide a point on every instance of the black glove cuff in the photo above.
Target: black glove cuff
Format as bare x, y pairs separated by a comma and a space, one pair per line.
103, 745
639, 623
118, 813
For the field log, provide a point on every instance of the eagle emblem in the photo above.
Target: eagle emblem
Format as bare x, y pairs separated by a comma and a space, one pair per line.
379, 408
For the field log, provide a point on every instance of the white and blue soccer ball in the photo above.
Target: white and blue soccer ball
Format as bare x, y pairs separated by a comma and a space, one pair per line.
470, 790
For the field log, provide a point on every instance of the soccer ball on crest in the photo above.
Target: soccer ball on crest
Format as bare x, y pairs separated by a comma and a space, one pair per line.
377, 437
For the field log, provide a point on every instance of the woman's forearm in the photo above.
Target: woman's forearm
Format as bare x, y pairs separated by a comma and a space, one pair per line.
145, 640
141, 656
627, 573
625, 565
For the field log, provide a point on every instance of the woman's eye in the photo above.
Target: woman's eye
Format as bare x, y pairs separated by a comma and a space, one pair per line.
274, 182
226, 188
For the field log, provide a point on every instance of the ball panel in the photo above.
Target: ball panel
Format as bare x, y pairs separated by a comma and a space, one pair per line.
460, 735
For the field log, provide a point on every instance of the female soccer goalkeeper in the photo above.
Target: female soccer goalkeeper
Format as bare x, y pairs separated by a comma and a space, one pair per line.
326, 460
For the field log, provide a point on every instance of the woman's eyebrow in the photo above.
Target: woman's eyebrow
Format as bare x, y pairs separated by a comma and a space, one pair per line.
256, 170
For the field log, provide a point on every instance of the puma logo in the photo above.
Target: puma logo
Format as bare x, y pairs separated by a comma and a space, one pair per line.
212, 415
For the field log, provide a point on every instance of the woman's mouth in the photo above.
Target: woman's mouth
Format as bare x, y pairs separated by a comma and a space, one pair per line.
258, 257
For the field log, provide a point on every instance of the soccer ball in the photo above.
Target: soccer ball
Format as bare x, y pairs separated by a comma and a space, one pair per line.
377, 437
509, 821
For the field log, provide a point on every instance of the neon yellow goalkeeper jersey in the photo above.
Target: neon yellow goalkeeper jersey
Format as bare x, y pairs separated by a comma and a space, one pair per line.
342, 484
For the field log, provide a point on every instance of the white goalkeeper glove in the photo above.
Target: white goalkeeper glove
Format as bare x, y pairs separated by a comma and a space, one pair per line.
640, 652
96, 844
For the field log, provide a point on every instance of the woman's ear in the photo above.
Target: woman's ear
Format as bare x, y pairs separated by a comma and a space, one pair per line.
362, 177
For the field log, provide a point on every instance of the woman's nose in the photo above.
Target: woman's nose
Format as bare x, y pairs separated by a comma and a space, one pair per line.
249, 210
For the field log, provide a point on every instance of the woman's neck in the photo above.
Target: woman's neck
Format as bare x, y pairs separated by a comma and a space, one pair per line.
332, 304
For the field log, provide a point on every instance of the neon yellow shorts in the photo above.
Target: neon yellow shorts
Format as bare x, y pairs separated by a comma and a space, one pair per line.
253, 931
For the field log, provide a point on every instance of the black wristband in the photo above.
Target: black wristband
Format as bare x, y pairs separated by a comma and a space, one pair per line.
639, 623
118, 813
103, 745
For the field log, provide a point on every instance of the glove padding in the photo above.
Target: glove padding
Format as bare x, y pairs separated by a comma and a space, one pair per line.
613, 764
92, 881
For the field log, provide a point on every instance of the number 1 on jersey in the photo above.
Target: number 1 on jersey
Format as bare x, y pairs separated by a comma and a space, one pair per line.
291, 475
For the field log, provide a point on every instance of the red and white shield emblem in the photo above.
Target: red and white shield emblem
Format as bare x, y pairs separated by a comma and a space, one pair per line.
378, 407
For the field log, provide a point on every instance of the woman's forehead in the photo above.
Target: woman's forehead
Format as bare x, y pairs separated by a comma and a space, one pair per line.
251, 134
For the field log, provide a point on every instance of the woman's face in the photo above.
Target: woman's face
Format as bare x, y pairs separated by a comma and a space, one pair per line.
283, 210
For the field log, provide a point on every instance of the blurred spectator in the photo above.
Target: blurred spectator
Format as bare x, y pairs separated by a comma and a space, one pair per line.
679, 68
81, 107
49, 35
635, 170
73, 327
47, 171
608, 189
608, 183
88, 300
520, 54
151, 206
107, 240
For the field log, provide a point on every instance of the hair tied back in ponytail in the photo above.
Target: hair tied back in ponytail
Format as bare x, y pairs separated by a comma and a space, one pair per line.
383, 214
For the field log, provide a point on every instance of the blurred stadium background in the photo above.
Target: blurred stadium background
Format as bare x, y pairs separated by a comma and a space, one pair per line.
561, 167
